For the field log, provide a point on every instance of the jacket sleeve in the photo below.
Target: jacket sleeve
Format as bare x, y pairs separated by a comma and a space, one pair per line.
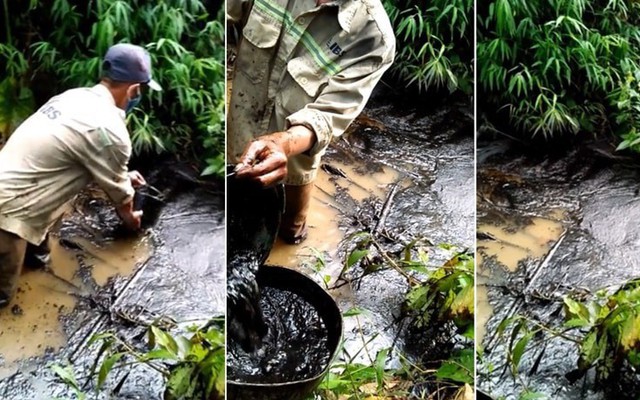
106, 158
345, 95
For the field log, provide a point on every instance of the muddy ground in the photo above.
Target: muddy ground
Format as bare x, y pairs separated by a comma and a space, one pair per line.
551, 222
104, 280
419, 160
421, 153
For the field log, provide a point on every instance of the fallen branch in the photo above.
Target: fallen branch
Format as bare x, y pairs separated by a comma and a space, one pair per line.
386, 208
410, 279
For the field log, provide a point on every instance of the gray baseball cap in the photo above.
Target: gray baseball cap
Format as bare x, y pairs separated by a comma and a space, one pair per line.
129, 63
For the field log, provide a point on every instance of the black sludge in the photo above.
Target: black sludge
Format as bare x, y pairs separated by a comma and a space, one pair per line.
295, 346
246, 324
253, 220
162, 185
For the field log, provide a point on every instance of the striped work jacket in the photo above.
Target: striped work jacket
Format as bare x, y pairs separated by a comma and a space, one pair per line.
299, 63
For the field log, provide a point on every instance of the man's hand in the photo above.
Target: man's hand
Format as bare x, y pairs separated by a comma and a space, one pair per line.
265, 158
131, 219
137, 179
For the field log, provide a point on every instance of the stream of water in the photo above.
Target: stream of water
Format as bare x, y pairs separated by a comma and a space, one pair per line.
550, 224
102, 281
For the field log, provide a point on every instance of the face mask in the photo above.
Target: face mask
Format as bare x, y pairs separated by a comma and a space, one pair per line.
133, 102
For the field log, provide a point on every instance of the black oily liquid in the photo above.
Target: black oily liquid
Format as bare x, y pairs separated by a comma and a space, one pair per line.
295, 346
250, 238
246, 324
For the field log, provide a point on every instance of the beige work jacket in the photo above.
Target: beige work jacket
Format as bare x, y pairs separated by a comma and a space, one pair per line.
77, 137
303, 64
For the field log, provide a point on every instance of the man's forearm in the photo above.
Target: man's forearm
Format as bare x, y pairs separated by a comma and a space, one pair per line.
295, 140
130, 217
125, 208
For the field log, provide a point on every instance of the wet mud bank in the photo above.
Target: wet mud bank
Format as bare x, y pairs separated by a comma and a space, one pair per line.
551, 223
403, 170
103, 279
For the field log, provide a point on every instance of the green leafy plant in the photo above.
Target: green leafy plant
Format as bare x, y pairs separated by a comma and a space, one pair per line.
560, 66
16, 104
459, 367
193, 366
434, 43
627, 100
446, 295
529, 395
612, 330
349, 379
605, 330
437, 296
67, 375
48, 48
315, 262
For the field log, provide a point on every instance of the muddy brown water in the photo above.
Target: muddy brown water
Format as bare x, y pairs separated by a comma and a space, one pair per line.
324, 216
117, 283
43, 298
550, 225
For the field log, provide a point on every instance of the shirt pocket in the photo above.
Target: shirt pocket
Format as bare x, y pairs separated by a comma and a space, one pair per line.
309, 80
260, 35
309, 77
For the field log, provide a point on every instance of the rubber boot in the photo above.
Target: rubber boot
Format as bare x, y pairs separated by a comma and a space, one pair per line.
12, 249
37, 257
293, 227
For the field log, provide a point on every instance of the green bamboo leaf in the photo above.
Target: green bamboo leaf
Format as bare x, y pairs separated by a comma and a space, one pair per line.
160, 354
381, 360
355, 256
106, 367
66, 374
533, 396
352, 312
519, 349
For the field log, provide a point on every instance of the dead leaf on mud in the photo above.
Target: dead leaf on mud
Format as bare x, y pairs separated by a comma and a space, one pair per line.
465, 393
630, 336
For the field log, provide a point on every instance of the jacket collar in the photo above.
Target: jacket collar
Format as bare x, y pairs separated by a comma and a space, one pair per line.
102, 91
346, 12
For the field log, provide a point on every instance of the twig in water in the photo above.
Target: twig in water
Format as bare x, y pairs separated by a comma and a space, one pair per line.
385, 209
61, 279
412, 281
